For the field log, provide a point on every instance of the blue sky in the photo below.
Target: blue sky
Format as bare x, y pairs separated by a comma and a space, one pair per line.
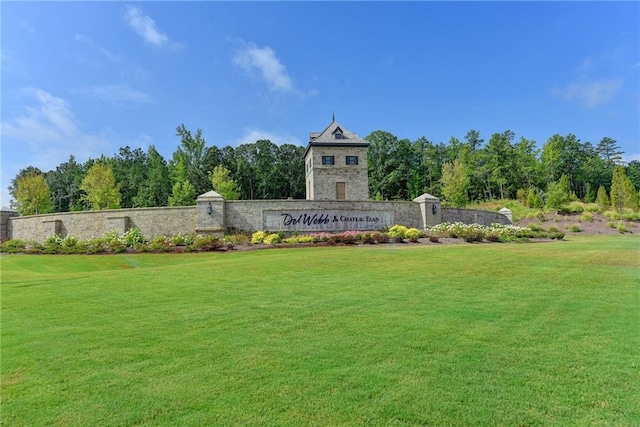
86, 78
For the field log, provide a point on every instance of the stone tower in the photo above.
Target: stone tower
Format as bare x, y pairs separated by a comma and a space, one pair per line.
336, 165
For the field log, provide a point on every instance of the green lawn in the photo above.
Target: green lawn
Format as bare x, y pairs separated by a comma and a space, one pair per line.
469, 334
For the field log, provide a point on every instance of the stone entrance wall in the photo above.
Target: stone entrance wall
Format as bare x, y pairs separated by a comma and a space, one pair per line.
213, 215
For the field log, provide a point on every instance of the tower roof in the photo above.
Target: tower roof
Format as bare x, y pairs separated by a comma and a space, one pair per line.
335, 135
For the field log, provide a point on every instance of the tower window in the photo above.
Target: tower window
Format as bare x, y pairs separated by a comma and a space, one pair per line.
328, 160
351, 160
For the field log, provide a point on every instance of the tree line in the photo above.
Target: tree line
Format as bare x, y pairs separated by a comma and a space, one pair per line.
459, 172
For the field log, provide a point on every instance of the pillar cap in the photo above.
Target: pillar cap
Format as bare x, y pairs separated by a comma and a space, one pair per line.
210, 196
426, 197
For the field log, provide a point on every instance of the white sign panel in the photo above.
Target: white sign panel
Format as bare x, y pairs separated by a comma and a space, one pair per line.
326, 220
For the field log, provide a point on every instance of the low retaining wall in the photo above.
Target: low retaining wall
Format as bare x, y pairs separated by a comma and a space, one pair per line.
214, 215
88, 224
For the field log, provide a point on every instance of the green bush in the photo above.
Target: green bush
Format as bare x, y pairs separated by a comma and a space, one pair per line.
572, 208
13, 246
70, 242
611, 224
553, 229
472, 235
574, 228
592, 207
205, 244
133, 237
398, 231
622, 228
413, 234
258, 237
535, 227
161, 244
556, 235
587, 216
272, 238
182, 240
630, 215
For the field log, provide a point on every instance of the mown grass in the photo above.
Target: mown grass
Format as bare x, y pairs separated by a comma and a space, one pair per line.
507, 334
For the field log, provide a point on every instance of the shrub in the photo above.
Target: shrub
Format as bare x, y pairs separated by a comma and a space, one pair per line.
116, 246
110, 236
346, 237
630, 215
238, 239
13, 246
381, 237
204, 243
70, 242
535, 227
433, 238
622, 228
574, 228
492, 237
133, 237
556, 235
413, 234
161, 244
398, 231
180, 240
587, 216
553, 229
96, 245
592, 207
258, 237
272, 239
611, 224
367, 238
572, 208
472, 235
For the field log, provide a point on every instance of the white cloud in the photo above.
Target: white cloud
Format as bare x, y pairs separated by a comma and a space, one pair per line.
116, 94
146, 28
46, 134
252, 135
264, 62
113, 57
589, 93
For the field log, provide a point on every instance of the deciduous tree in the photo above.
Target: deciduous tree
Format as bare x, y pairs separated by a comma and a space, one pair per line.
223, 184
32, 195
455, 183
100, 187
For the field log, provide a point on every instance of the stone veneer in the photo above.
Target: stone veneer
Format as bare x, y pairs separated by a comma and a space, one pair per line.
321, 179
475, 216
87, 224
214, 215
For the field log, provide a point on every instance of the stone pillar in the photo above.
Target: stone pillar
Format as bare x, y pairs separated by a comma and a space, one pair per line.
51, 227
507, 212
5, 227
430, 210
118, 223
210, 213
